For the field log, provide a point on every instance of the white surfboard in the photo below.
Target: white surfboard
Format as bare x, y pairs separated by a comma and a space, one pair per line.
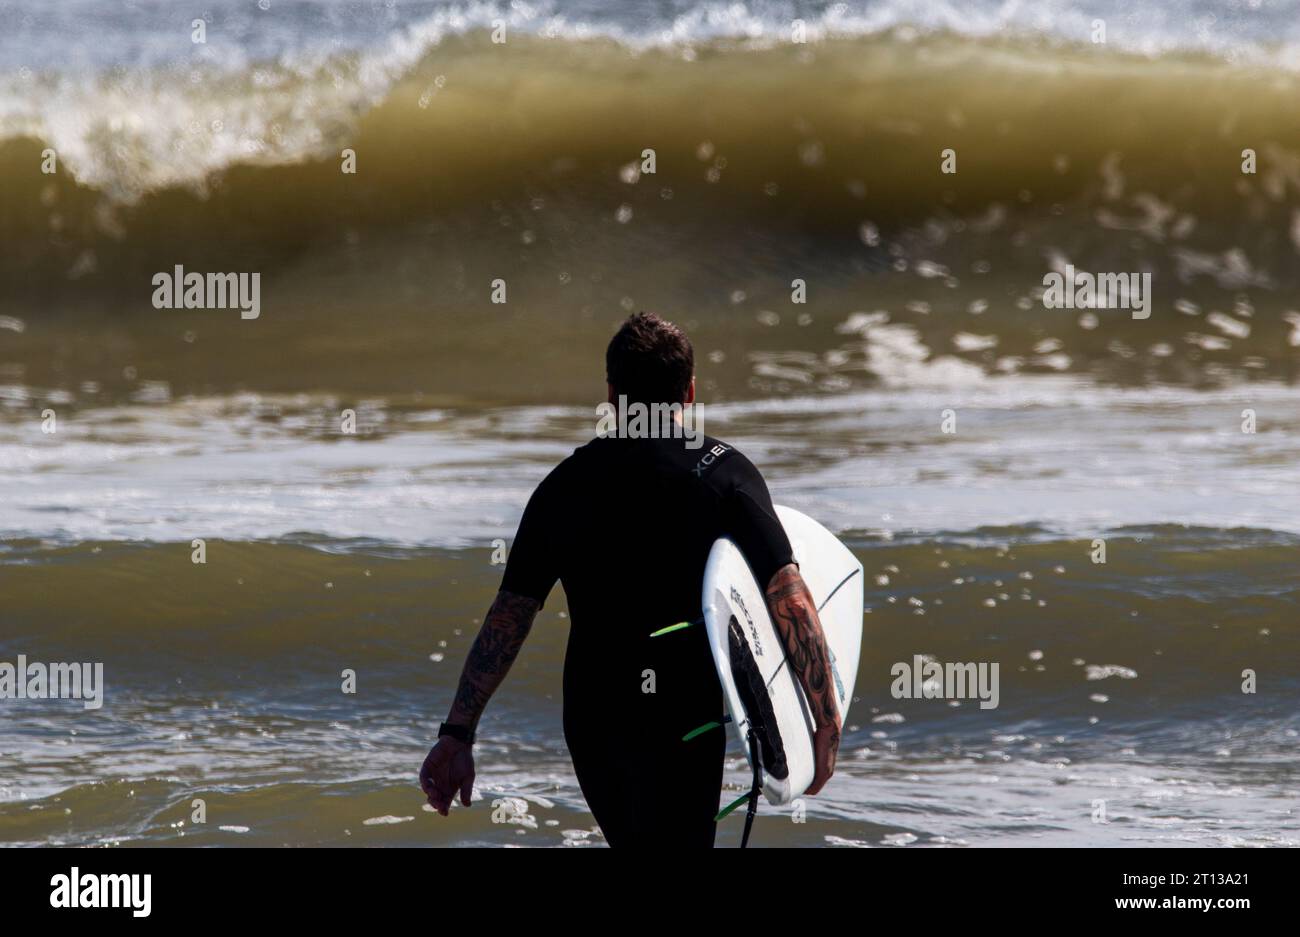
758, 684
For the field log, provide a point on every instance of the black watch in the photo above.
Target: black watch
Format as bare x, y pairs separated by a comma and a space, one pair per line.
459, 733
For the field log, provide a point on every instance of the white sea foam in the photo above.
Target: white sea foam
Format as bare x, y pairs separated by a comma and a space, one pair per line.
1079, 458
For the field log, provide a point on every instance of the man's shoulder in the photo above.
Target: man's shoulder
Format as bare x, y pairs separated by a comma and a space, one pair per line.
586, 452
584, 458
719, 463
713, 462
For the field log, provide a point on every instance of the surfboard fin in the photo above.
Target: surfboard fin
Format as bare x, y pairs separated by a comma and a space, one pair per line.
743, 798
671, 628
677, 627
715, 724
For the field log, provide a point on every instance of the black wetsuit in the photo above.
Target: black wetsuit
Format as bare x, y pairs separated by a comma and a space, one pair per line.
626, 526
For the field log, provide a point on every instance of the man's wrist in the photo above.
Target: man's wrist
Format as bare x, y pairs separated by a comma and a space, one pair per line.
461, 733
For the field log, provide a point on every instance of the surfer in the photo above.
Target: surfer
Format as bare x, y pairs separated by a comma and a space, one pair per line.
626, 525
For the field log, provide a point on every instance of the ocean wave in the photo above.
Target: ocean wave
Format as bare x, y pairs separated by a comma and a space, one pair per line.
774, 164
133, 106
822, 162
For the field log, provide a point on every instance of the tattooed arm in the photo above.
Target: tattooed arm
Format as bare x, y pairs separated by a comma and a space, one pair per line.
507, 624
450, 764
795, 615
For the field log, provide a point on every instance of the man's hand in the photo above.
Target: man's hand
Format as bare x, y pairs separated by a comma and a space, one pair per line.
826, 745
450, 764
448, 768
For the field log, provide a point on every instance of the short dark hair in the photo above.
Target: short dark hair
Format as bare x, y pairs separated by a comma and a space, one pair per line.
650, 360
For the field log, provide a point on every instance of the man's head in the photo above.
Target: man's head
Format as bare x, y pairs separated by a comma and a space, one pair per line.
650, 360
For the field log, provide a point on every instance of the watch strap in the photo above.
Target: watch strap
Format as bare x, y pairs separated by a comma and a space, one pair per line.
459, 733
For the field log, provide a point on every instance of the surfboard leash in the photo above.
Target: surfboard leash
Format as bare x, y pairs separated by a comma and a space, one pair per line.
750, 796
757, 785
